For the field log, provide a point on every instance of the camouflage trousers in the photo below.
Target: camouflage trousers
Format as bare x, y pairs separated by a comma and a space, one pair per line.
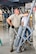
12, 35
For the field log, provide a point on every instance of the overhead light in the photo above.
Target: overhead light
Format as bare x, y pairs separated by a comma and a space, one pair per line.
14, 0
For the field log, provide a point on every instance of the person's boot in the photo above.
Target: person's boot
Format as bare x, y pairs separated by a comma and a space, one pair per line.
11, 50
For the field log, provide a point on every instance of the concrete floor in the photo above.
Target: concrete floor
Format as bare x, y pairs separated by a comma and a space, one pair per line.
5, 49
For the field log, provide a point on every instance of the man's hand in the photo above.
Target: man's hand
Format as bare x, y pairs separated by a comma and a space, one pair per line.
12, 26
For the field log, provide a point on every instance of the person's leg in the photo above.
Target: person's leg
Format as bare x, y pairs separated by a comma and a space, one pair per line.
12, 36
24, 34
20, 31
29, 32
17, 39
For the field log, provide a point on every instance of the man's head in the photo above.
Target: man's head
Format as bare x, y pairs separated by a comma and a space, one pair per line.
16, 11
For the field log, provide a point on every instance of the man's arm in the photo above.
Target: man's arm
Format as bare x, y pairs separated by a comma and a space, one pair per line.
9, 21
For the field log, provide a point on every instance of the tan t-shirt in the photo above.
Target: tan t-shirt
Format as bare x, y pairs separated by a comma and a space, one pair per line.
16, 20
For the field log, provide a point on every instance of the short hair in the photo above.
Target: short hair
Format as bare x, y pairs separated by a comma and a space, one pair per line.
16, 8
